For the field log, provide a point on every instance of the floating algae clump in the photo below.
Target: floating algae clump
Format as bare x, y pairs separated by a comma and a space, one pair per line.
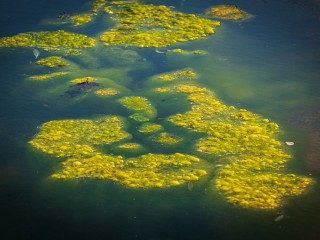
48, 76
150, 128
142, 106
78, 138
160, 170
166, 138
98, 5
177, 75
129, 146
81, 19
185, 52
150, 170
97, 166
228, 12
154, 26
248, 187
254, 177
53, 61
107, 92
56, 39
83, 80
183, 88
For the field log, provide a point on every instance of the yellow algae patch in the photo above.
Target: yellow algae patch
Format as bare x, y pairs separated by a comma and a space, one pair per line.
228, 12
259, 190
162, 90
81, 19
78, 138
176, 50
129, 146
166, 138
142, 106
48, 76
181, 74
98, 5
97, 166
145, 171
185, 52
154, 26
82, 80
119, 2
188, 89
55, 40
72, 52
107, 92
150, 128
53, 61
254, 178
160, 170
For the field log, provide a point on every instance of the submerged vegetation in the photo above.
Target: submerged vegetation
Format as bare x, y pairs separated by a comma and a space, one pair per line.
253, 173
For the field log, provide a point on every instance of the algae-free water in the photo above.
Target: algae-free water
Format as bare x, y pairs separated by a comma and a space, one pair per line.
267, 64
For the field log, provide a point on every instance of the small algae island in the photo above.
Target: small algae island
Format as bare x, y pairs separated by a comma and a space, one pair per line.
135, 142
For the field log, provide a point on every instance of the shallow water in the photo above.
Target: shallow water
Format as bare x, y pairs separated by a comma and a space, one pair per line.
268, 65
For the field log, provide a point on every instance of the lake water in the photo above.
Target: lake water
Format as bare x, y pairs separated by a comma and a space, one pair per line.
269, 65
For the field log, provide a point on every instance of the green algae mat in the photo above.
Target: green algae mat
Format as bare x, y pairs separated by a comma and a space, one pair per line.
201, 139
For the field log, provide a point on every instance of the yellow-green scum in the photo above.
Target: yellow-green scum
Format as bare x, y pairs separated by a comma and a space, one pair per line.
145, 171
167, 139
107, 92
154, 26
53, 61
83, 80
228, 12
81, 19
178, 75
254, 178
78, 138
144, 111
150, 128
48, 76
56, 39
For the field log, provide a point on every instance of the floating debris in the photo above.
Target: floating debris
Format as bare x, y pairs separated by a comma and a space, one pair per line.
36, 53
279, 218
190, 186
158, 51
290, 143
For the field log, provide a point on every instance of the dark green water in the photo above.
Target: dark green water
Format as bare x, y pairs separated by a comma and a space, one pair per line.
269, 65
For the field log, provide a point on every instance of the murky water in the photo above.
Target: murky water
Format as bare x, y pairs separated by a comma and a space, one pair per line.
269, 65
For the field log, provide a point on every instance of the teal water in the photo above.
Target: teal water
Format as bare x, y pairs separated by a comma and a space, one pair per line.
268, 65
